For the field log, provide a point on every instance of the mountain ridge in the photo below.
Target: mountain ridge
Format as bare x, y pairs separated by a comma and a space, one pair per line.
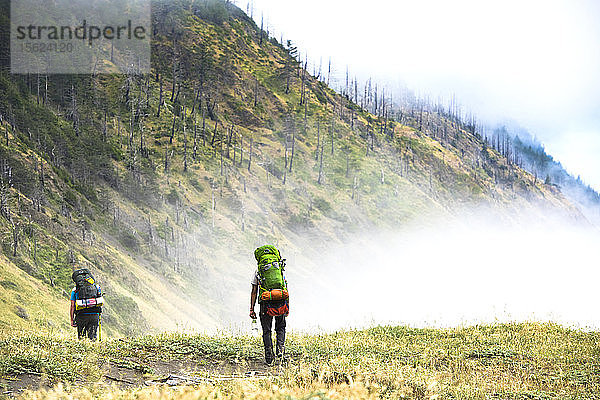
161, 182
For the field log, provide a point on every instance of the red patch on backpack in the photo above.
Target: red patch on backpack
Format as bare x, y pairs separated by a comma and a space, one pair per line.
277, 309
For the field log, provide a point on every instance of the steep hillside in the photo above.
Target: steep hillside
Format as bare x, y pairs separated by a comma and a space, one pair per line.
165, 183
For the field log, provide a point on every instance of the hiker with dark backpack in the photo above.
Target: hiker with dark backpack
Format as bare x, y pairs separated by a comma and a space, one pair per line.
270, 287
86, 304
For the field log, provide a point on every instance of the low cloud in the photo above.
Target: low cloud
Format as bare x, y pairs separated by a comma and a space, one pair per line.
476, 268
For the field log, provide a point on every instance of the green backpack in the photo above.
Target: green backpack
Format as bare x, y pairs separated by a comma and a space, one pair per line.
270, 270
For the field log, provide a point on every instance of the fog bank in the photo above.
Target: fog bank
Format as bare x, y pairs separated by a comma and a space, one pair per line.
467, 270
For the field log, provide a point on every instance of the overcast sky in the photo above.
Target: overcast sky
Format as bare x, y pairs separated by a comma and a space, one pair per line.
533, 61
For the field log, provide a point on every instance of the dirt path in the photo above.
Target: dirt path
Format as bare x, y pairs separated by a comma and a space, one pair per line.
128, 373
132, 372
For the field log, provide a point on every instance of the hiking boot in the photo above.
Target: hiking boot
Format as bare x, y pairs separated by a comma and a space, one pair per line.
269, 356
280, 353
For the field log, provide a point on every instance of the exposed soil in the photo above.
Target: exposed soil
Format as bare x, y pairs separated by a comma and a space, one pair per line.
14, 385
138, 373
131, 372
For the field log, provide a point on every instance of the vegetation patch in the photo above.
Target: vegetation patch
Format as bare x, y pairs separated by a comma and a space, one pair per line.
502, 361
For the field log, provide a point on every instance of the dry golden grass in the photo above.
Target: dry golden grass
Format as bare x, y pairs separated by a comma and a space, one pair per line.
238, 390
500, 361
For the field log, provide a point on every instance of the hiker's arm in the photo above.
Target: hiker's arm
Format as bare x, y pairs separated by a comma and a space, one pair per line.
253, 301
72, 312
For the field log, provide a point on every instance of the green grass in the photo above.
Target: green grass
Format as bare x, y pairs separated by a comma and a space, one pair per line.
507, 361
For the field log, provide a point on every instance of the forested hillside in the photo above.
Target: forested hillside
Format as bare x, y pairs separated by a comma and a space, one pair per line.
164, 183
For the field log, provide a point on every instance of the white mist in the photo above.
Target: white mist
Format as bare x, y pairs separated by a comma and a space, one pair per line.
466, 271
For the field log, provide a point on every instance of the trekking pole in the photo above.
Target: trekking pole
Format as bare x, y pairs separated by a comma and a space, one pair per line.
100, 328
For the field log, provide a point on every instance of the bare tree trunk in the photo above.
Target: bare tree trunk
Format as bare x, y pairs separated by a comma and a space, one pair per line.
104, 123
4, 205
212, 142
346, 91
185, 144
332, 132
305, 116
321, 166
302, 91
241, 149
165, 241
213, 204
250, 154
372, 139
142, 150
229, 139
45, 90
293, 143
174, 61
261, 32
204, 126
285, 151
196, 96
347, 163
234, 147
74, 113
15, 237
195, 151
221, 148
150, 234
172, 130
244, 213
255, 91
166, 159
318, 139
42, 177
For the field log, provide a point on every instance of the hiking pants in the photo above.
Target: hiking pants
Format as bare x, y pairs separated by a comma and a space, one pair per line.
266, 321
87, 325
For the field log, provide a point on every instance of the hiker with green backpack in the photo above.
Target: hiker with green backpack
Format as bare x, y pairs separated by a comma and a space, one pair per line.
270, 287
86, 304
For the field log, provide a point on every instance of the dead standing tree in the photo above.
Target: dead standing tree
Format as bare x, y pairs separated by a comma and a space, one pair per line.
185, 142
250, 153
291, 63
292, 128
320, 179
303, 87
285, 150
73, 114
318, 139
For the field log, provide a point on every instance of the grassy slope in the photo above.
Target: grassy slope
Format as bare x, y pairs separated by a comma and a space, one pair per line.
148, 232
25, 302
508, 361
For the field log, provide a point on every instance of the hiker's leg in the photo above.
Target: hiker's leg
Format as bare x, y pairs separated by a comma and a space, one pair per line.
80, 331
92, 327
80, 327
266, 321
85, 322
280, 332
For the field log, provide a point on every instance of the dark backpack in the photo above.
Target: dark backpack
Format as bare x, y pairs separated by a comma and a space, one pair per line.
89, 296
